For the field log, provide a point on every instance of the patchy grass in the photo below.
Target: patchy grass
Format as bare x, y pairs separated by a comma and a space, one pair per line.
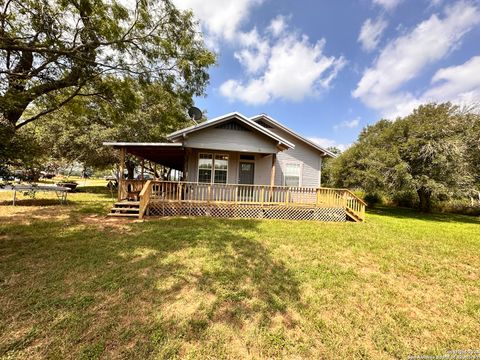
74, 284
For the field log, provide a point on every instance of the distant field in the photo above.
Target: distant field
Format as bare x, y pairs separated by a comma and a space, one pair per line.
74, 284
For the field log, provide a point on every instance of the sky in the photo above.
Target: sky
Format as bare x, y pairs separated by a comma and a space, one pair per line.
328, 68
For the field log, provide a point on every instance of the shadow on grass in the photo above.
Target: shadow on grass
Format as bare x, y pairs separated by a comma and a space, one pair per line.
405, 213
138, 289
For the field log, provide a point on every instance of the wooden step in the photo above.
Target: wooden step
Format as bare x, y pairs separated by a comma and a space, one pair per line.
129, 215
120, 209
352, 215
128, 203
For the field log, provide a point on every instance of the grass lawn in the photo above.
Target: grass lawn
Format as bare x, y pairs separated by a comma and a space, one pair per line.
74, 284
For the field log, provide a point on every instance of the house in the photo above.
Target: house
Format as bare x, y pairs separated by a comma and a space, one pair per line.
235, 166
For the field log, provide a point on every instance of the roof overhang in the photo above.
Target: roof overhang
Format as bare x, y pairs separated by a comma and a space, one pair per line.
275, 123
168, 154
282, 143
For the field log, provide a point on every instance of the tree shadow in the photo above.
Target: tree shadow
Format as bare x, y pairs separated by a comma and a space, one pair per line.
144, 288
406, 213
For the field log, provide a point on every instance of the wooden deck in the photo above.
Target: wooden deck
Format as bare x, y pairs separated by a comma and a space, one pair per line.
176, 198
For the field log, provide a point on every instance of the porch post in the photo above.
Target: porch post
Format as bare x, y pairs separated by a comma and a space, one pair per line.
122, 170
272, 176
143, 169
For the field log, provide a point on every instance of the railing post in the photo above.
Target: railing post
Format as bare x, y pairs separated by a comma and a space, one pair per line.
179, 192
262, 194
318, 197
209, 193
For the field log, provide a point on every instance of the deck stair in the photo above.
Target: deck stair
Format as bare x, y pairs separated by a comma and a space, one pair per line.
129, 209
351, 216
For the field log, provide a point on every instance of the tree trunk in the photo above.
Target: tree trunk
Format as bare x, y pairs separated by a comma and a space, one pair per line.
130, 165
425, 196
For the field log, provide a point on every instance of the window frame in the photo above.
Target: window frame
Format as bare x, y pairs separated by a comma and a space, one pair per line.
300, 172
212, 171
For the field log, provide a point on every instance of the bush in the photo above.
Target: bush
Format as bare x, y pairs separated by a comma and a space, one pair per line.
405, 199
373, 199
464, 207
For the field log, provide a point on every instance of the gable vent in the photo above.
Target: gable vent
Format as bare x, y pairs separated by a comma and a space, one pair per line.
232, 125
264, 124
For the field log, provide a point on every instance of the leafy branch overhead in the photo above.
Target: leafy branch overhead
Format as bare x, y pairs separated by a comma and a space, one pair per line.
52, 51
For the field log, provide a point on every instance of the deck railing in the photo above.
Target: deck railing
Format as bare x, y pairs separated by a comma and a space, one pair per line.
190, 192
128, 186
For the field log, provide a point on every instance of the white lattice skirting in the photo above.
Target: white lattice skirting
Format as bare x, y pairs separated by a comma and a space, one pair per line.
247, 211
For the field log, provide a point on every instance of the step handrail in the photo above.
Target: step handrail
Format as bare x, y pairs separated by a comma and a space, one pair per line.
145, 196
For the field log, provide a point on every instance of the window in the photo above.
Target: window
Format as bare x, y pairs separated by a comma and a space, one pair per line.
212, 168
292, 174
221, 169
205, 165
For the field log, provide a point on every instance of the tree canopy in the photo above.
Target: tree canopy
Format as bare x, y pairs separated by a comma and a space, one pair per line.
433, 153
52, 51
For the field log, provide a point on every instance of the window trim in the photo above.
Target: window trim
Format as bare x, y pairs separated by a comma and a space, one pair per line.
300, 171
212, 174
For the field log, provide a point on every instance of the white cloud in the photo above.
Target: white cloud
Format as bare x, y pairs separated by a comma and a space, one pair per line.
387, 4
348, 124
277, 25
456, 81
293, 69
326, 143
221, 19
405, 57
371, 32
254, 54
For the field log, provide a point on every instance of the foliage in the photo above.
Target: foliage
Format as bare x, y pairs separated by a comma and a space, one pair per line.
426, 153
52, 51
76, 132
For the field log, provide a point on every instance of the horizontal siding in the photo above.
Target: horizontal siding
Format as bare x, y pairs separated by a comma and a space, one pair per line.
310, 159
231, 140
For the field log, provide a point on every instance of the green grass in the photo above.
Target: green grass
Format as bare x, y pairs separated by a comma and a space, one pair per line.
74, 284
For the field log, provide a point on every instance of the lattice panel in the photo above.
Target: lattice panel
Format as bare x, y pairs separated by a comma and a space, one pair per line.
247, 211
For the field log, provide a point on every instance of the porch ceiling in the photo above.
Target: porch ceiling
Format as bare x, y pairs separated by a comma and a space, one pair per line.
168, 154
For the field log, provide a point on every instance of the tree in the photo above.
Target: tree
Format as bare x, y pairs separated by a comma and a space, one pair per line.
425, 153
76, 132
52, 51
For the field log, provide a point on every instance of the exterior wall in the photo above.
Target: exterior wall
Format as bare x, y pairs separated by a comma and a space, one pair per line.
263, 165
231, 140
234, 143
310, 159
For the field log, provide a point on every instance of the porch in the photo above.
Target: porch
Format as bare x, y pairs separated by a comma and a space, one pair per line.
182, 198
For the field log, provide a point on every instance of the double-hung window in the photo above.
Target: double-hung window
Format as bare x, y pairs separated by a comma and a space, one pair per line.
292, 174
212, 168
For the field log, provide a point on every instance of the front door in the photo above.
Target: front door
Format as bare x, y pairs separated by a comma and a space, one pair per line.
245, 177
246, 173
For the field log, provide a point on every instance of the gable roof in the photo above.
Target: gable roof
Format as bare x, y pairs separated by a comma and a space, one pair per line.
268, 119
231, 116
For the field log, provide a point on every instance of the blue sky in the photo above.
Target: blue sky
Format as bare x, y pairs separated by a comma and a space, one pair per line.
328, 68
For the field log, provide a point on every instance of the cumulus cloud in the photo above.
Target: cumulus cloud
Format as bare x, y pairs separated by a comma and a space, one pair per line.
371, 32
326, 143
461, 81
387, 4
289, 67
406, 56
277, 25
348, 124
221, 19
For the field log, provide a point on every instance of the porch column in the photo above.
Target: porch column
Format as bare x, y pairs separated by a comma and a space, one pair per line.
143, 169
272, 173
122, 170
272, 177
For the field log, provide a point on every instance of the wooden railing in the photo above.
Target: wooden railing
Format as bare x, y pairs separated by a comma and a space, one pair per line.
126, 187
189, 192
145, 196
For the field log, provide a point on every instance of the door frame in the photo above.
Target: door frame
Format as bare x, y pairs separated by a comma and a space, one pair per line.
239, 167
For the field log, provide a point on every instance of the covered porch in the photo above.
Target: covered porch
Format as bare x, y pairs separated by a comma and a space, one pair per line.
182, 197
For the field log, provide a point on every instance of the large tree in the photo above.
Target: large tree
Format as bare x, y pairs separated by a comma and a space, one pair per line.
426, 153
52, 51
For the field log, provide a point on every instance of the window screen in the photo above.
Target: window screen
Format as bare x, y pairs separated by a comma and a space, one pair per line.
292, 175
